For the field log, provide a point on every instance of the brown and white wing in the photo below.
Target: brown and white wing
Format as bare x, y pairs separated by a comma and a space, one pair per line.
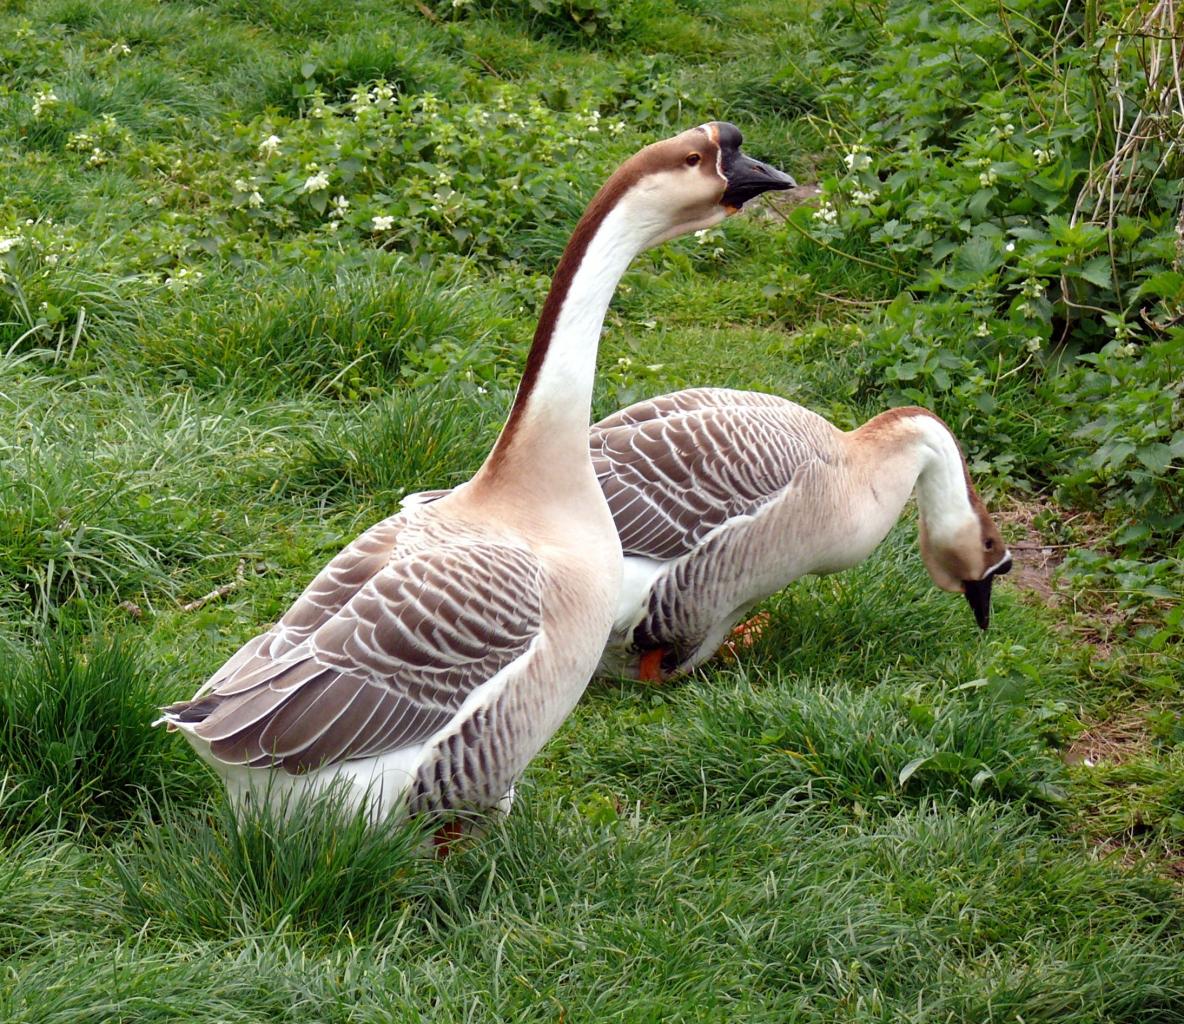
330, 591
385, 670
677, 467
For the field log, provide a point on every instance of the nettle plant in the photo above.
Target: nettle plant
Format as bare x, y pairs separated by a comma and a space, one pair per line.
1016, 168
562, 17
418, 174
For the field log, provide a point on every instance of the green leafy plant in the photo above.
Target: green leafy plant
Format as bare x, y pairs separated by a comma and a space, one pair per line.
1014, 169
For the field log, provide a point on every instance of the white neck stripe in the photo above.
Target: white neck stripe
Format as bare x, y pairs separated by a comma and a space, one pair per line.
1002, 561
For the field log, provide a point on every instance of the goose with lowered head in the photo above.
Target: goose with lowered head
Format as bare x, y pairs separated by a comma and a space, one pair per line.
722, 498
431, 659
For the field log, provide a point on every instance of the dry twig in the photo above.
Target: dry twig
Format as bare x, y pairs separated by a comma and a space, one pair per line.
219, 592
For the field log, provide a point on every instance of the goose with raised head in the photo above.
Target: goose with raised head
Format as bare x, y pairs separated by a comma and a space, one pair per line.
431, 659
721, 498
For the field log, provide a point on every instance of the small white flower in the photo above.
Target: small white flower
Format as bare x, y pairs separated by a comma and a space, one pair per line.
1128, 350
43, 100
316, 182
1009, 247
269, 145
183, 277
982, 331
52, 259
242, 185
1007, 130
862, 198
254, 200
826, 213
701, 235
1033, 288
1043, 156
384, 223
857, 159
987, 178
9, 243
617, 127
119, 49
340, 205
333, 225
1033, 344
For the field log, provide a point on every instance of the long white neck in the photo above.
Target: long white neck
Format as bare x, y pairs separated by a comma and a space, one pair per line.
943, 489
560, 400
891, 456
547, 431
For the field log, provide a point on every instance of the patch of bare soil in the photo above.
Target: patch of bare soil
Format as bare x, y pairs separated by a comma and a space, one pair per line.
1034, 559
1113, 742
1037, 557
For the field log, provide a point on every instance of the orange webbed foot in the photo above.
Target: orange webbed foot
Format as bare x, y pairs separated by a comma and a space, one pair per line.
446, 837
745, 635
649, 667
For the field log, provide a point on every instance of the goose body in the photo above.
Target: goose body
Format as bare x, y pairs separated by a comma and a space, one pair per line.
428, 662
721, 498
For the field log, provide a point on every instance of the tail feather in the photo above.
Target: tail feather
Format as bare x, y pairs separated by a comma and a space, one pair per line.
188, 712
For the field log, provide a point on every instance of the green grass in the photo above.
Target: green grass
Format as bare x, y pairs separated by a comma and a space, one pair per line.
75, 728
866, 817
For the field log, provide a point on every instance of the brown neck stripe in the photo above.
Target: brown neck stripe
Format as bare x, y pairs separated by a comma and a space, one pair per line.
573, 255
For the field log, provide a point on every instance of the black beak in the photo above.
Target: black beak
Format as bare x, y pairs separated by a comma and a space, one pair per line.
978, 593
978, 596
748, 178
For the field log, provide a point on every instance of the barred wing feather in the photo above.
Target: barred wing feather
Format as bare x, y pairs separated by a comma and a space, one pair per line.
378, 654
676, 467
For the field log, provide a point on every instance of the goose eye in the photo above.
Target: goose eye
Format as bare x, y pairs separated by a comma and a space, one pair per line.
990, 544
693, 159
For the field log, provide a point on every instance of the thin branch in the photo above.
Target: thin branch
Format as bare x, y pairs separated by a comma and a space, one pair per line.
219, 592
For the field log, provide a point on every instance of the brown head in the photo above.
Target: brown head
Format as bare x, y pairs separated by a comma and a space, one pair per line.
967, 560
686, 183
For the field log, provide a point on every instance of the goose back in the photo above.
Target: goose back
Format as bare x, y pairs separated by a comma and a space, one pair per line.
677, 467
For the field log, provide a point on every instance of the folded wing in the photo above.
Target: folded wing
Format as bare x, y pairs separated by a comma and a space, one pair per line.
676, 467
378, 654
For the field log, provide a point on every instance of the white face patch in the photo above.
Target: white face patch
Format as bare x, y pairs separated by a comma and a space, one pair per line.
1002, 561
712, 132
